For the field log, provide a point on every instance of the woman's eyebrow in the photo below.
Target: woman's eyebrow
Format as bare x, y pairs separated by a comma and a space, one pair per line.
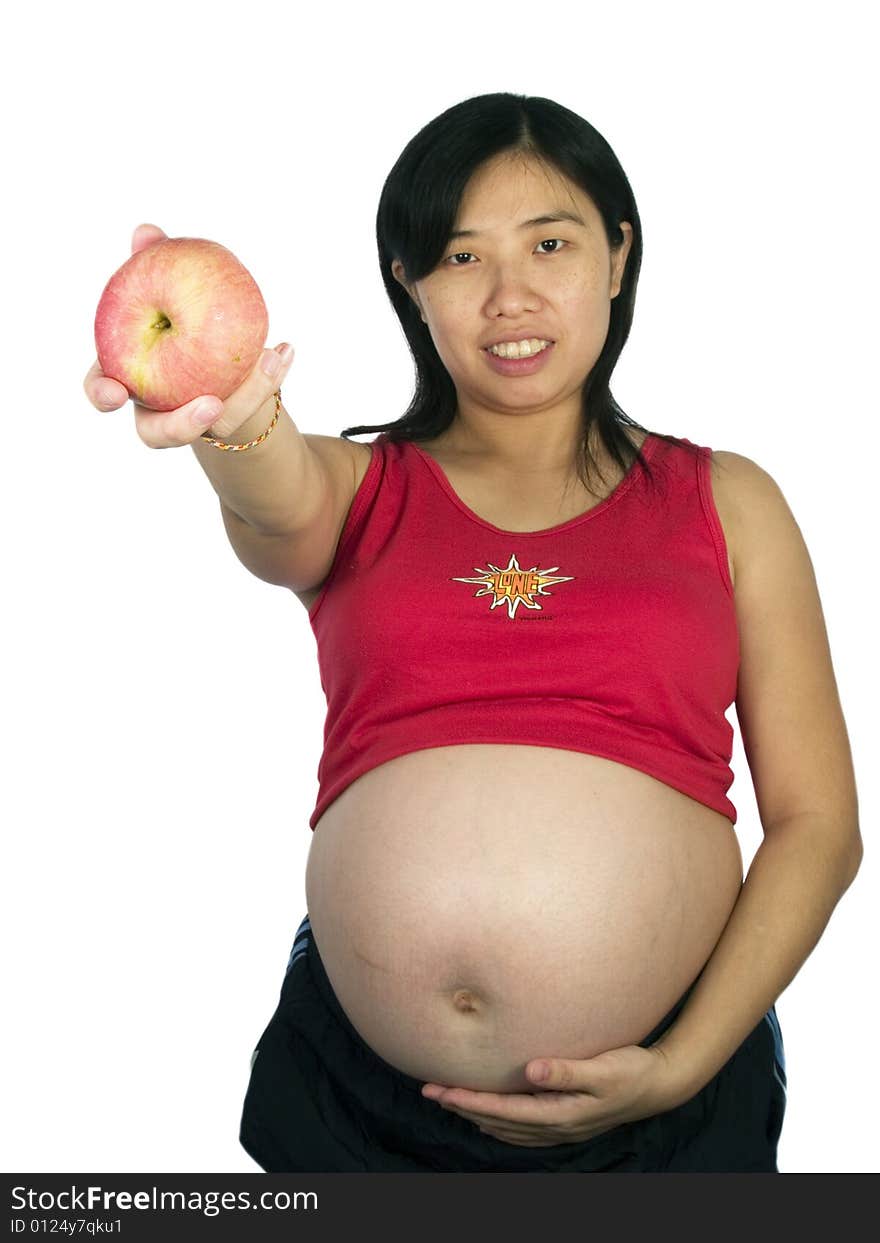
527, 224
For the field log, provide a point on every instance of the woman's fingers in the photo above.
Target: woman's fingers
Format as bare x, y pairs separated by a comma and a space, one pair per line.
103, 392
156, 428
169, 429
145, 235
164, 430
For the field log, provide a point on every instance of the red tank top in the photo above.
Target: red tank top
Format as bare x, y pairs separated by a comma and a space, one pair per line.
613, 634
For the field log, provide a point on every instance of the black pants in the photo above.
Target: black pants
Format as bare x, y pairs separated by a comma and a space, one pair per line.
320, 1100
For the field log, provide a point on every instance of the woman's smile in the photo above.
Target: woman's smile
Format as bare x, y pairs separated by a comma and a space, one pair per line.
519, 366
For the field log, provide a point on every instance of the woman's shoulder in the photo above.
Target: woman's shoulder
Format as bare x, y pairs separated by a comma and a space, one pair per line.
750, 503
357, 454
740, 480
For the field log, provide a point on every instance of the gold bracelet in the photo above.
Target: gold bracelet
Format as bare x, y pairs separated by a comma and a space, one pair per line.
220, 444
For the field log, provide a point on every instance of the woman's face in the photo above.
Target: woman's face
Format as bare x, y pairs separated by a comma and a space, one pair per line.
504, 280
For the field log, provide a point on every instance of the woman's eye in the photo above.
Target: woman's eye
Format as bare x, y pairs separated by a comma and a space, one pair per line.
553, 239
466, 253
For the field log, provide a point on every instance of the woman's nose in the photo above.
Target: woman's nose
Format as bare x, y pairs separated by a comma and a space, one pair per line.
512, 288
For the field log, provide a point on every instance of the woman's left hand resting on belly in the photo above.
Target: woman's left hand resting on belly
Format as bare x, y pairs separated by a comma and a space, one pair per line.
577, 1101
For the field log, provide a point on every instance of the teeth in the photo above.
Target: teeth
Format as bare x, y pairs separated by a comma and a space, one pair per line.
518, 349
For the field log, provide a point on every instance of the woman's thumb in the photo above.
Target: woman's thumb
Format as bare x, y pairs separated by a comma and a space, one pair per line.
555, 1073
265, 379
273, 364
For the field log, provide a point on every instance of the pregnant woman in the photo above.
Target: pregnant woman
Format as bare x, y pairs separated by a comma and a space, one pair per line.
531, 617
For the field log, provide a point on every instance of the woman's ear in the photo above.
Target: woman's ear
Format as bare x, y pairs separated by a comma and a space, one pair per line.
619, 257
399, 273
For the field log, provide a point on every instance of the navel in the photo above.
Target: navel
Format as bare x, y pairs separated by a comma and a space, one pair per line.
465, 1001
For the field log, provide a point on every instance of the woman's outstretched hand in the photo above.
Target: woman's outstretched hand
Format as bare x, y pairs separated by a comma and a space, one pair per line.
577, 1101
175, 428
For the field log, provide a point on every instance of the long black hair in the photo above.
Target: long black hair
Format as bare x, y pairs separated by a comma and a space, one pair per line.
417, 212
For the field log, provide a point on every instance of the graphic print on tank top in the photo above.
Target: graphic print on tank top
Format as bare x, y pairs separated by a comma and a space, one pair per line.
426, 636
515, 586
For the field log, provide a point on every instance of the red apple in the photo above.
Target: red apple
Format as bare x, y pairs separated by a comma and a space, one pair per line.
180, 318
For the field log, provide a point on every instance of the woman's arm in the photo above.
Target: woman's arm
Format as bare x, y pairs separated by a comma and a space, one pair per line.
796, 744
798, 875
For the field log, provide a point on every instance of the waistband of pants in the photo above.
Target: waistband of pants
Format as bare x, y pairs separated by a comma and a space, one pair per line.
325, 988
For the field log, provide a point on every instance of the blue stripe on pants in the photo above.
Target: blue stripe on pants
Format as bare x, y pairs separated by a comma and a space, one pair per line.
778, 1047
300, 942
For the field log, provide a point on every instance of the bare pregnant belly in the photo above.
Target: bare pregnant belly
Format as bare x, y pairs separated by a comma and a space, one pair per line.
478, 906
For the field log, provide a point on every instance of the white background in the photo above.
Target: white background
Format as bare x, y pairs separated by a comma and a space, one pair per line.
163, 712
